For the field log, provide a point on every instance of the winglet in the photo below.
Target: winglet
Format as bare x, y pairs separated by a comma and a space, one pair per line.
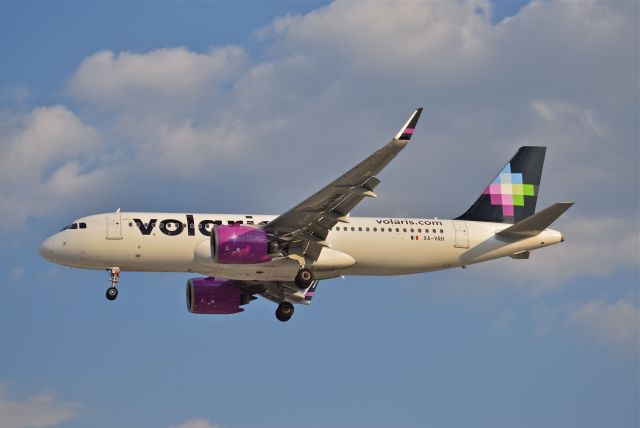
406, 131
533, 225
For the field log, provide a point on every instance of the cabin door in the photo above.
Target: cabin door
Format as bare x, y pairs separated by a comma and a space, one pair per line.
462, 235
114, 226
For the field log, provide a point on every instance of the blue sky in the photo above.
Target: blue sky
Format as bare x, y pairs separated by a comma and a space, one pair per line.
218, 107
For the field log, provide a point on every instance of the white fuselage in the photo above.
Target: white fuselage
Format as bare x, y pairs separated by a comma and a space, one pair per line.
363, 246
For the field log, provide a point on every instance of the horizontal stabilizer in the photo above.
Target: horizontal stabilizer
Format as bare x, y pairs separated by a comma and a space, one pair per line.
533, 225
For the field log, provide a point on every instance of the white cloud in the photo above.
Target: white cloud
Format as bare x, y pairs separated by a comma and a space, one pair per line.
48, 157
616, 324
594, 247
558, 112
396, 39
196, 423
39, 411
169, 76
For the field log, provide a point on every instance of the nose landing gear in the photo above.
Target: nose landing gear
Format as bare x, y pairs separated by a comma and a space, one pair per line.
114, 274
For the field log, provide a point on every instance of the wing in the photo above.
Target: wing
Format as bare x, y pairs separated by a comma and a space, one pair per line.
306, 226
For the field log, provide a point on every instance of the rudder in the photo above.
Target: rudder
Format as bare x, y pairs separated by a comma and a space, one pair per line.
513, 193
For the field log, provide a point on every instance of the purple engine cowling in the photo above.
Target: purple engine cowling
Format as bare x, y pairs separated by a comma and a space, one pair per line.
239, 244
213, 296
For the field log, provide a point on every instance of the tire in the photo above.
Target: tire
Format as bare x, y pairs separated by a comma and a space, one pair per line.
112, 293
284, 312
304, 278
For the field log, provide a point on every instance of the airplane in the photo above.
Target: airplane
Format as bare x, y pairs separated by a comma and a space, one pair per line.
283, 258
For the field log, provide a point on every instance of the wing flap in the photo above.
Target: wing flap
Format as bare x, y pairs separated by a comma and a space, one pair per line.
287, 291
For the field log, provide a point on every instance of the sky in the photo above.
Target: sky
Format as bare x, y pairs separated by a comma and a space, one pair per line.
249, 107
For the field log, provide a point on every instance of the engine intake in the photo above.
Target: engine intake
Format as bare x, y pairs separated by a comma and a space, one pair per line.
239, 244
214, 296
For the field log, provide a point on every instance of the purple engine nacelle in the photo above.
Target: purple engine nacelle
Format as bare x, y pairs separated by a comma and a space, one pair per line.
238, 244
213, 296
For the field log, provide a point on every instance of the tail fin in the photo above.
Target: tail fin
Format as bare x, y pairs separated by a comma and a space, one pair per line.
512, 195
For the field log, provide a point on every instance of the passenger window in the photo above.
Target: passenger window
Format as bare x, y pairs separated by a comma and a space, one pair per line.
375, 229
397, 229
404, 229
419, 230
441, 231
411, 230
353, 229
367, 229
359, 229
390, 230
434, 231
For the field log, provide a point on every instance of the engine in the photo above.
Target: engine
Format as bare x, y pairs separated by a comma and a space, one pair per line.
239, 244
215, 296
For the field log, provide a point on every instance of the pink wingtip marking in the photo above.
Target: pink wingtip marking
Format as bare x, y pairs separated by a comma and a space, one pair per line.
408, 131
310, 294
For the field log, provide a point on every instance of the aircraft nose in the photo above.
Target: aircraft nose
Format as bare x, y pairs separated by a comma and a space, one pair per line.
51, 248
46, 248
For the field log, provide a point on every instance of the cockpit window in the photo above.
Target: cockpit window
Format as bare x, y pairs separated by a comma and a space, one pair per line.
81, 225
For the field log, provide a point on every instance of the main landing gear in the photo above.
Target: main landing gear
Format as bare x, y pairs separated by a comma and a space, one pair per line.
114, 274
284, 311
304, 278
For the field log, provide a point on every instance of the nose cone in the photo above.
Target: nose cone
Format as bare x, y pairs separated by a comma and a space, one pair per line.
47, 248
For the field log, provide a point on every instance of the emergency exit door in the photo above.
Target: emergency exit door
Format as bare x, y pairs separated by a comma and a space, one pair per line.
461, 234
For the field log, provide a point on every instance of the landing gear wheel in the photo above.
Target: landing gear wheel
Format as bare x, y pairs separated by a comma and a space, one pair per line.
304, 278
112, 293
284, 311
114, 278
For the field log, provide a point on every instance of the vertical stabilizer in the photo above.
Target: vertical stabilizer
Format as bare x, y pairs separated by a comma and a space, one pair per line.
513, 193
